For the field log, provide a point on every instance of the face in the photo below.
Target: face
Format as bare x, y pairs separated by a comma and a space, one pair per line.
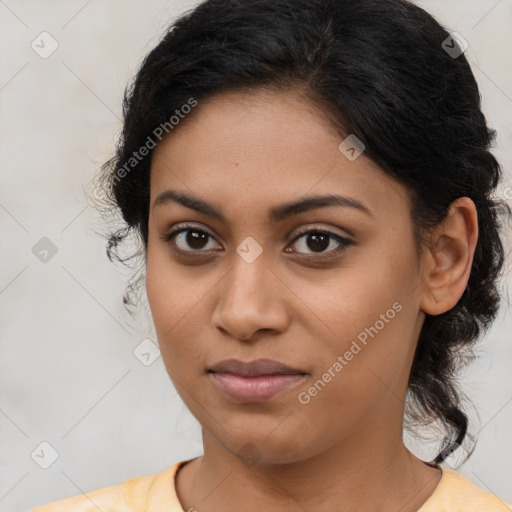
232, 274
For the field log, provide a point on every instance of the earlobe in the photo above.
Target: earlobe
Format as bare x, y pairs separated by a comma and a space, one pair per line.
449, 257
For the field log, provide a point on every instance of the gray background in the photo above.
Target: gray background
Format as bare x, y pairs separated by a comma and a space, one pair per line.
69, 375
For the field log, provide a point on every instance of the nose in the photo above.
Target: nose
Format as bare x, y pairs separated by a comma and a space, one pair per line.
251, 301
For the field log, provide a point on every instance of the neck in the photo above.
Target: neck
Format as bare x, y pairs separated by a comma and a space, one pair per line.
349, 473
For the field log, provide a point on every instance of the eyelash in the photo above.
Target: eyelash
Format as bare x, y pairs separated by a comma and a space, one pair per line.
344, 242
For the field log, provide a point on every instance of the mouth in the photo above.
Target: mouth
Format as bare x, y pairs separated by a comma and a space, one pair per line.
255, 381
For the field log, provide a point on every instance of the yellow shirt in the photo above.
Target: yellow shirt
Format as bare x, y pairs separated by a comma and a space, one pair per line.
157, 493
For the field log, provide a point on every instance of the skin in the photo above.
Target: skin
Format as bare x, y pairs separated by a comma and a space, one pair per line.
246, 153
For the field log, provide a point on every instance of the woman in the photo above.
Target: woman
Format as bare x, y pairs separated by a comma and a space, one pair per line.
311, 182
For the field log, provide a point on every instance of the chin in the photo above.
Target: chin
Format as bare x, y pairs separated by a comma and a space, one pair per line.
262, 448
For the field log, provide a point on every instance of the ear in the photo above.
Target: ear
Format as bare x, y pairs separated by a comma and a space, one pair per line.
448, 258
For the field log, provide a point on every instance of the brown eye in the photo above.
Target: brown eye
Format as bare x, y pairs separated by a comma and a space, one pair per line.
317, 242
189, 239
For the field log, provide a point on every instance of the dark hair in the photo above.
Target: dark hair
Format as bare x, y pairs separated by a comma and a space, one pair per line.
378, 69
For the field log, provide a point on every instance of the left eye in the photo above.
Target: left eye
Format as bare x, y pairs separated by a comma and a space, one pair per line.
318, 241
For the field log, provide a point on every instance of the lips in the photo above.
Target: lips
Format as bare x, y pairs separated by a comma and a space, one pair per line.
254, 382
254, 368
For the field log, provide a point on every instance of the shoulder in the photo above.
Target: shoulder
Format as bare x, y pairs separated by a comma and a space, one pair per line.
132, 495
456, 493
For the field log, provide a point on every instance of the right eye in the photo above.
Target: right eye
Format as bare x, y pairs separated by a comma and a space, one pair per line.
189, 239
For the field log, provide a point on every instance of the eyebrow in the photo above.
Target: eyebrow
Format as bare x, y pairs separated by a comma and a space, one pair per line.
276, 214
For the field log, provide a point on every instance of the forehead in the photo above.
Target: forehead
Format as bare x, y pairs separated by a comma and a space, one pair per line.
248, 151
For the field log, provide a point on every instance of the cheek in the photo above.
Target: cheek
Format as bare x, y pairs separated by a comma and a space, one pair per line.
364, 303
178, 306
371, 315
360, 380
160, 285
170, 294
